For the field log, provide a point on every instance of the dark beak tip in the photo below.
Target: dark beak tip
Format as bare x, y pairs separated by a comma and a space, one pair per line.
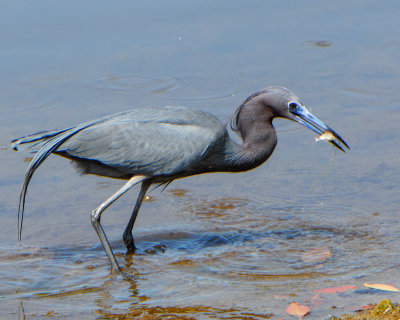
339, 138
337, 145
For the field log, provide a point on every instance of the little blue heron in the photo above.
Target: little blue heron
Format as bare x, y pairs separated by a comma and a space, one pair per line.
160, 144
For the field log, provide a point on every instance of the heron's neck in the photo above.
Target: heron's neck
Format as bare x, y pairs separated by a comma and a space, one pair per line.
257, 146
253, 123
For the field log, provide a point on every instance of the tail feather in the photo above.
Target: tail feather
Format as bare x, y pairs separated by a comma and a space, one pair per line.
43, 143
34, 142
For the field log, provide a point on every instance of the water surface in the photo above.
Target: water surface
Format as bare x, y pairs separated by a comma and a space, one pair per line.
237, 245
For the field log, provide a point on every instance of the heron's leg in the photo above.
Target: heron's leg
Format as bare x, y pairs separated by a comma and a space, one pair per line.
127, 237
96, 215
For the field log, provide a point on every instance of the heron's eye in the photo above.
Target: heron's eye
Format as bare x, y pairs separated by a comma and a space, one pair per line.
293, 106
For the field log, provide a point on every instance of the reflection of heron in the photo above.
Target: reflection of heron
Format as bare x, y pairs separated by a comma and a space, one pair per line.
158, 145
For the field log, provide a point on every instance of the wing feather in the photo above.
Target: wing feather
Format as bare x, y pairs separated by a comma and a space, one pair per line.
145, 147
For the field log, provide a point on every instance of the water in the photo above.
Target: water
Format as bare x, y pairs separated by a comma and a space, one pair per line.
237, 245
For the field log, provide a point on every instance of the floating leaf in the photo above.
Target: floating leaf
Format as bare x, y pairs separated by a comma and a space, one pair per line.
296, 309
381, 286
367, 307
333, 290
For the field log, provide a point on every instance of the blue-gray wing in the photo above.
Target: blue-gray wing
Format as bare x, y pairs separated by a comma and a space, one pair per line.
148, 141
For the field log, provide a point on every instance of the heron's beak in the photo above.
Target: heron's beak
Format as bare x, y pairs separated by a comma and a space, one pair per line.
307, 119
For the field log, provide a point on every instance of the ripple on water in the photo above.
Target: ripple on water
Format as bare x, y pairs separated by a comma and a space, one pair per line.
46, 272
135, 83
258, 241
42, 103
168, 87
242, 244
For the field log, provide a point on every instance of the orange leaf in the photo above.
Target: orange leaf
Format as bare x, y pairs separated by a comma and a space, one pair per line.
296, 309
331, 290
381, 286
335, 289
370, 306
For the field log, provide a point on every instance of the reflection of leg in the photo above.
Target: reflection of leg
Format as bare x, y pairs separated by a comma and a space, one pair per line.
96, 215
127, 237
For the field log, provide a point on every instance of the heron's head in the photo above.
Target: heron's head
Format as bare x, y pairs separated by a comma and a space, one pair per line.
281, 102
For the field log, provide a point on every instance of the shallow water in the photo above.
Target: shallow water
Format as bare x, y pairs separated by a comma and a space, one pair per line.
238, 246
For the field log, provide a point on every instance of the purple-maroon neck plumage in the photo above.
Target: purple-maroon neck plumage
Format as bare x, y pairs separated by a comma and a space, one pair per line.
252, 121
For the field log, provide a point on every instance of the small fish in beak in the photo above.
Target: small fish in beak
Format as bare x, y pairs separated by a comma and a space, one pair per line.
332, 138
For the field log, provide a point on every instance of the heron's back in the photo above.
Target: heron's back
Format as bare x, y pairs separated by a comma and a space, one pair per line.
151, 141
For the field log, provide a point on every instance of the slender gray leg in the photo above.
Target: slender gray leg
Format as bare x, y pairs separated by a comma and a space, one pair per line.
127, 237
96, 215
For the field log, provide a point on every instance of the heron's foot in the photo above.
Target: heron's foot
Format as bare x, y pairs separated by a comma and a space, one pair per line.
157, 248
130, 246
121, 272
129, 242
